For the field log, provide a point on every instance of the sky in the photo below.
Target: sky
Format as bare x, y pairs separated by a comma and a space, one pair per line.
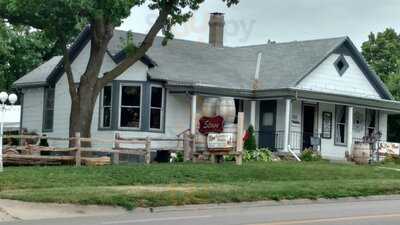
257, 21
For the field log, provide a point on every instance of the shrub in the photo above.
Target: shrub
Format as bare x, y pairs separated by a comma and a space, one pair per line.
392, 159
229, 158
258, 155
309, 155
250, 140
176, 157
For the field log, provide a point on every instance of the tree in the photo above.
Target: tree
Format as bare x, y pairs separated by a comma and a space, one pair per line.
21, 50
250, 140
60, 18
382, 52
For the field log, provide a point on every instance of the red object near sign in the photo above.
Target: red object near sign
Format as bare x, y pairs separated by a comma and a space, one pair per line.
211, 125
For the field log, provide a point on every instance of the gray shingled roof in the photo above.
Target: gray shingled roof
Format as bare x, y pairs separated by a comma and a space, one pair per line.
39, 75
187, 62
198, 64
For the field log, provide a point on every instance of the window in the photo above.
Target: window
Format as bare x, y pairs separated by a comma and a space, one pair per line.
156, 107
340, 129
48, 109
370, 122
341, 65
239, 105
106, 107
130, 105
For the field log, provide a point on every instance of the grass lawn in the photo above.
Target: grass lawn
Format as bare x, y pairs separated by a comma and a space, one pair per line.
177, 184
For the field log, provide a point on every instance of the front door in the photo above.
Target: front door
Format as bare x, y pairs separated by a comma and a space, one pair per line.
267, 124
308, 125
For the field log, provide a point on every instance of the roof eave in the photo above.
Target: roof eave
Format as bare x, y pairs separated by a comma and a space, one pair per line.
293, 93
29, 85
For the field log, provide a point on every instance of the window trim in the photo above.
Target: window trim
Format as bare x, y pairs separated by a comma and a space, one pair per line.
122, 84
45, 109
376, 120
162, 109
101, 108
345, 65
345, 126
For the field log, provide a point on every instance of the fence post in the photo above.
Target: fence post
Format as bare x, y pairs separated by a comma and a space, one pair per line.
193, 137
239, 139
78, 161
147, 156
115, 155
186, 147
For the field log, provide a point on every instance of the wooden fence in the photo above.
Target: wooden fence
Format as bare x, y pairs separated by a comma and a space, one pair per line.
31, 154
79, 154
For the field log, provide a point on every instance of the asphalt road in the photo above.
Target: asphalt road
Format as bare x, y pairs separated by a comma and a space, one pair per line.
385, 212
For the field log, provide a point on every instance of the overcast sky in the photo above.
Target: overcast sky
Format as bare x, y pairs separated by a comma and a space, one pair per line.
256, 21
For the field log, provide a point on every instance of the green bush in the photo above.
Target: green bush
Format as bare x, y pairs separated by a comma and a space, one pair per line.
392, 159
177, 157
250, 140
309, 155
258, 155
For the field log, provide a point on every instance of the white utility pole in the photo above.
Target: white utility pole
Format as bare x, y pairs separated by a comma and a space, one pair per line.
12, 99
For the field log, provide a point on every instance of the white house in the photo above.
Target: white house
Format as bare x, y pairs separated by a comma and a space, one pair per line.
290, 92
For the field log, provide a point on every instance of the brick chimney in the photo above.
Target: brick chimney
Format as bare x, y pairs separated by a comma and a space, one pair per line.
217, 23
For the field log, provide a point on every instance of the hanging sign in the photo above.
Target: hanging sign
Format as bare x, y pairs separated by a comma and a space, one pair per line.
220, 140
211, 125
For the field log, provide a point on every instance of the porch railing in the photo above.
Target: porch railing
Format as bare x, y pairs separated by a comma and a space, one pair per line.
275, 140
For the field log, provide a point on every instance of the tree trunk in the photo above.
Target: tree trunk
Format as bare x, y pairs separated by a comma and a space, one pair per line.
87, 103
74, 120
90, 83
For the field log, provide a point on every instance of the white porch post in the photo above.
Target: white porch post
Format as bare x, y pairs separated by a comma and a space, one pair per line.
193, 115
288, 107
350, 111
253, 114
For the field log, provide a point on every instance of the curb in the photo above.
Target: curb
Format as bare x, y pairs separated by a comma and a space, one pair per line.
269, 203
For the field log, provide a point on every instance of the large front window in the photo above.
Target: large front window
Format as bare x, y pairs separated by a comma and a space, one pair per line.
340, 129
138, 106
130, 106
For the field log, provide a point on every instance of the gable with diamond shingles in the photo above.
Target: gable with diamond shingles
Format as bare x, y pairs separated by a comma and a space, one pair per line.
326, 78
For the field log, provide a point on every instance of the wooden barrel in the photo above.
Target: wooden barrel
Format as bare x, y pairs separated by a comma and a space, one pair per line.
226, 108
201, 142
361, 153
209, 108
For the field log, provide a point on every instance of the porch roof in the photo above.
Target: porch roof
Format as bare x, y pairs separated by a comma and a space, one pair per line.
294, 93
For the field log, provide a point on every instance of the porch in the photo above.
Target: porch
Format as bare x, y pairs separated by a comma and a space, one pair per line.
331, 128
328, 123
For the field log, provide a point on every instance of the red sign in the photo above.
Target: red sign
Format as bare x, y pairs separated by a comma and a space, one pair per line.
211, 125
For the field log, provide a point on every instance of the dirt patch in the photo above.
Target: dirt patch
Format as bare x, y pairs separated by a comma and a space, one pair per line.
152, 188
6, 217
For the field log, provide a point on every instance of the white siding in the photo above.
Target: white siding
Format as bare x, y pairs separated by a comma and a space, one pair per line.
325, 78
62, 107
177, 120
328, 148
383, 123
280, 115
296, 125
177, 117
359, 123
247, 113
137, 72
177, 111
336, 152
32, 116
